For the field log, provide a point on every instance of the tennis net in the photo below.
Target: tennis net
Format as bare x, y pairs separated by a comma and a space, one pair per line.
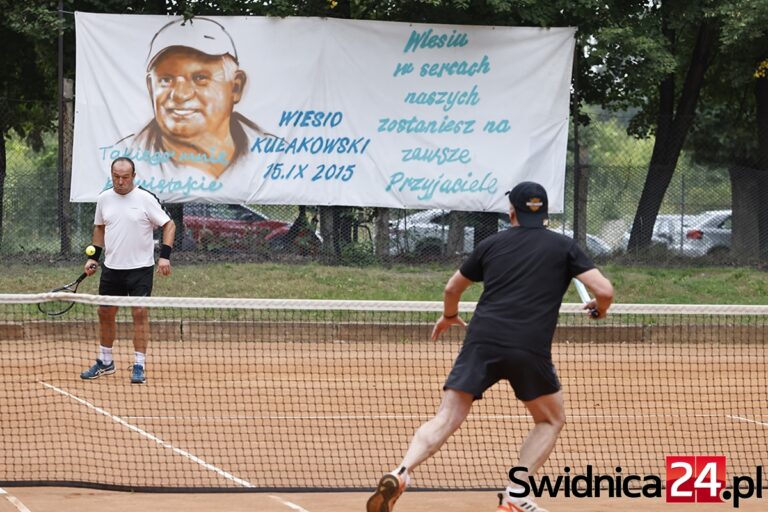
325, 395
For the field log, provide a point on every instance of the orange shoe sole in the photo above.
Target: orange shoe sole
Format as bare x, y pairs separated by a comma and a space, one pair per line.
387, 492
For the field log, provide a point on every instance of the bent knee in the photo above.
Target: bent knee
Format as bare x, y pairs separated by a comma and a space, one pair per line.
559, 421
555, 419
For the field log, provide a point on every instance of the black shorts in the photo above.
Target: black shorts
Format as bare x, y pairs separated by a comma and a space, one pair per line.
136, 282
479, 366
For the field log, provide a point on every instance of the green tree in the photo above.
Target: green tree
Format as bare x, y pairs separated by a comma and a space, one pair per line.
733, 122
27, 97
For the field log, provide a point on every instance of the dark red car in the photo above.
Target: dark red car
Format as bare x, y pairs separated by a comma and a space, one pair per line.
241, 228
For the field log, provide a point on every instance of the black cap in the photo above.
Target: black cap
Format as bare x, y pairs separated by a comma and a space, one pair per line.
531, 204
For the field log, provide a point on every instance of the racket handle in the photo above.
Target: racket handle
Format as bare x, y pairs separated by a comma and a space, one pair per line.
585, 298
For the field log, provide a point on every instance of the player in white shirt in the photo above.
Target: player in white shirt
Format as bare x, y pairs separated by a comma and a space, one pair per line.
126, 216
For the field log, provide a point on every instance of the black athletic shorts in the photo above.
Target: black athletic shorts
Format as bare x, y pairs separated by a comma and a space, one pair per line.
479, 366
136, 282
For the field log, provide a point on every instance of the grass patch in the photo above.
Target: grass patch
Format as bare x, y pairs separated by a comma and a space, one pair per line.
313, 281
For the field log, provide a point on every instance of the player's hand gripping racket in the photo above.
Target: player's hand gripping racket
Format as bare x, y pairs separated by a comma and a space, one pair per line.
59, 307
584, 296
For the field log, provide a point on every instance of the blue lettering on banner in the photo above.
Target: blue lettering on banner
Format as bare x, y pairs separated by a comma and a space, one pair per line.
416, 125
439, 156
312, 145
310, 118
137, 155
403, 68
427, 39
456, 68
278, 171
448, 99
174, 186
502, 126
427, 187
211, 158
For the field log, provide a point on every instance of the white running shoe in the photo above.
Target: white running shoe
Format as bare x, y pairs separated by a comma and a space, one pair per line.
509, 504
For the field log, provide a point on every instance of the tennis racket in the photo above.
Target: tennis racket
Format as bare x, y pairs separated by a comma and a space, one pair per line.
59, 307
584, 295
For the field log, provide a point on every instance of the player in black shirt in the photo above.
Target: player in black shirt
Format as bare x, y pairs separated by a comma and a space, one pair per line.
525, 271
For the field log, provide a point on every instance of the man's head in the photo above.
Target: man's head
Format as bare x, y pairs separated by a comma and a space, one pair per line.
123, 173
529, 203
193, 79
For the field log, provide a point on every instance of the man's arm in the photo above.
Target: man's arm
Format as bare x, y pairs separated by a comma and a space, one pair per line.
451, 296
169, 233
164, 263
97, 241
601, 288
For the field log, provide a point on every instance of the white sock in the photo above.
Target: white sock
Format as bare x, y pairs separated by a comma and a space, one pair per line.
105, 354
511, 489
402, 473
140, 357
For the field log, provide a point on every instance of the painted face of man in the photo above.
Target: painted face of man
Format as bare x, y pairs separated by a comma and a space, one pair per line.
194, 93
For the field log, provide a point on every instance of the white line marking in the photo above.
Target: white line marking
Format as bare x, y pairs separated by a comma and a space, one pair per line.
499, 417
15, 501
747, 420
151, 437
288, 504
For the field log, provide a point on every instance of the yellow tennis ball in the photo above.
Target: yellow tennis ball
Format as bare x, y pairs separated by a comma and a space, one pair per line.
90, 250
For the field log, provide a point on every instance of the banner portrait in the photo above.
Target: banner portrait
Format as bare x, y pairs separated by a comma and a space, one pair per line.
321, 111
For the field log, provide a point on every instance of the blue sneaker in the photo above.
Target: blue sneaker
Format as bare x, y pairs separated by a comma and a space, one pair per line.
97, 370
137, 375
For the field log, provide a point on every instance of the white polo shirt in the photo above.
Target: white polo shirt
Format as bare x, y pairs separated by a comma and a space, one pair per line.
129, 221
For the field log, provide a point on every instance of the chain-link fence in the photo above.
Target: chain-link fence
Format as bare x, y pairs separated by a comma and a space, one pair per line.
694, 225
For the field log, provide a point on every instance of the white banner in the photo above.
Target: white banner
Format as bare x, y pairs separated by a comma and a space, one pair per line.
321, 111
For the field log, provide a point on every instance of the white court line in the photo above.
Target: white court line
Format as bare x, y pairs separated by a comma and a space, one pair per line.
288, 504
747, 420
15, 501
414, 417
151, 437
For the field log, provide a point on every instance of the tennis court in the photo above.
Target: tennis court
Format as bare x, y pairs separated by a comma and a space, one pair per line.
327, 401
88, 500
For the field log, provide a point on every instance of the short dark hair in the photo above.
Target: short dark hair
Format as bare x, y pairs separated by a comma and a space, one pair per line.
123, 159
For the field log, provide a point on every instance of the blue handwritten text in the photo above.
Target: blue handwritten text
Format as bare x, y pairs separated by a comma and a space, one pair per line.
427, 187
439, 156
417, 125
448, 99
427, 39
137, 155
174, 186
312, 145
310, 118
456, 67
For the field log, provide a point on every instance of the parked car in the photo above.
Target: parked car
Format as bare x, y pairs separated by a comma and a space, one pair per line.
240, 227
708, 233
667, 232
426, 232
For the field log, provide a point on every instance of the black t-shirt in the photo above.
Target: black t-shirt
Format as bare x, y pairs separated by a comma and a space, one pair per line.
526, 272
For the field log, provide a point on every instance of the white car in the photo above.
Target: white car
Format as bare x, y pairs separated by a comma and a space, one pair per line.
426, 233
667, 232
708, 233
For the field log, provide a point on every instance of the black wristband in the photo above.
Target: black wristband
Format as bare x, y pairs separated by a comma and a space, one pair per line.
165, 251
449, 317
96, 255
